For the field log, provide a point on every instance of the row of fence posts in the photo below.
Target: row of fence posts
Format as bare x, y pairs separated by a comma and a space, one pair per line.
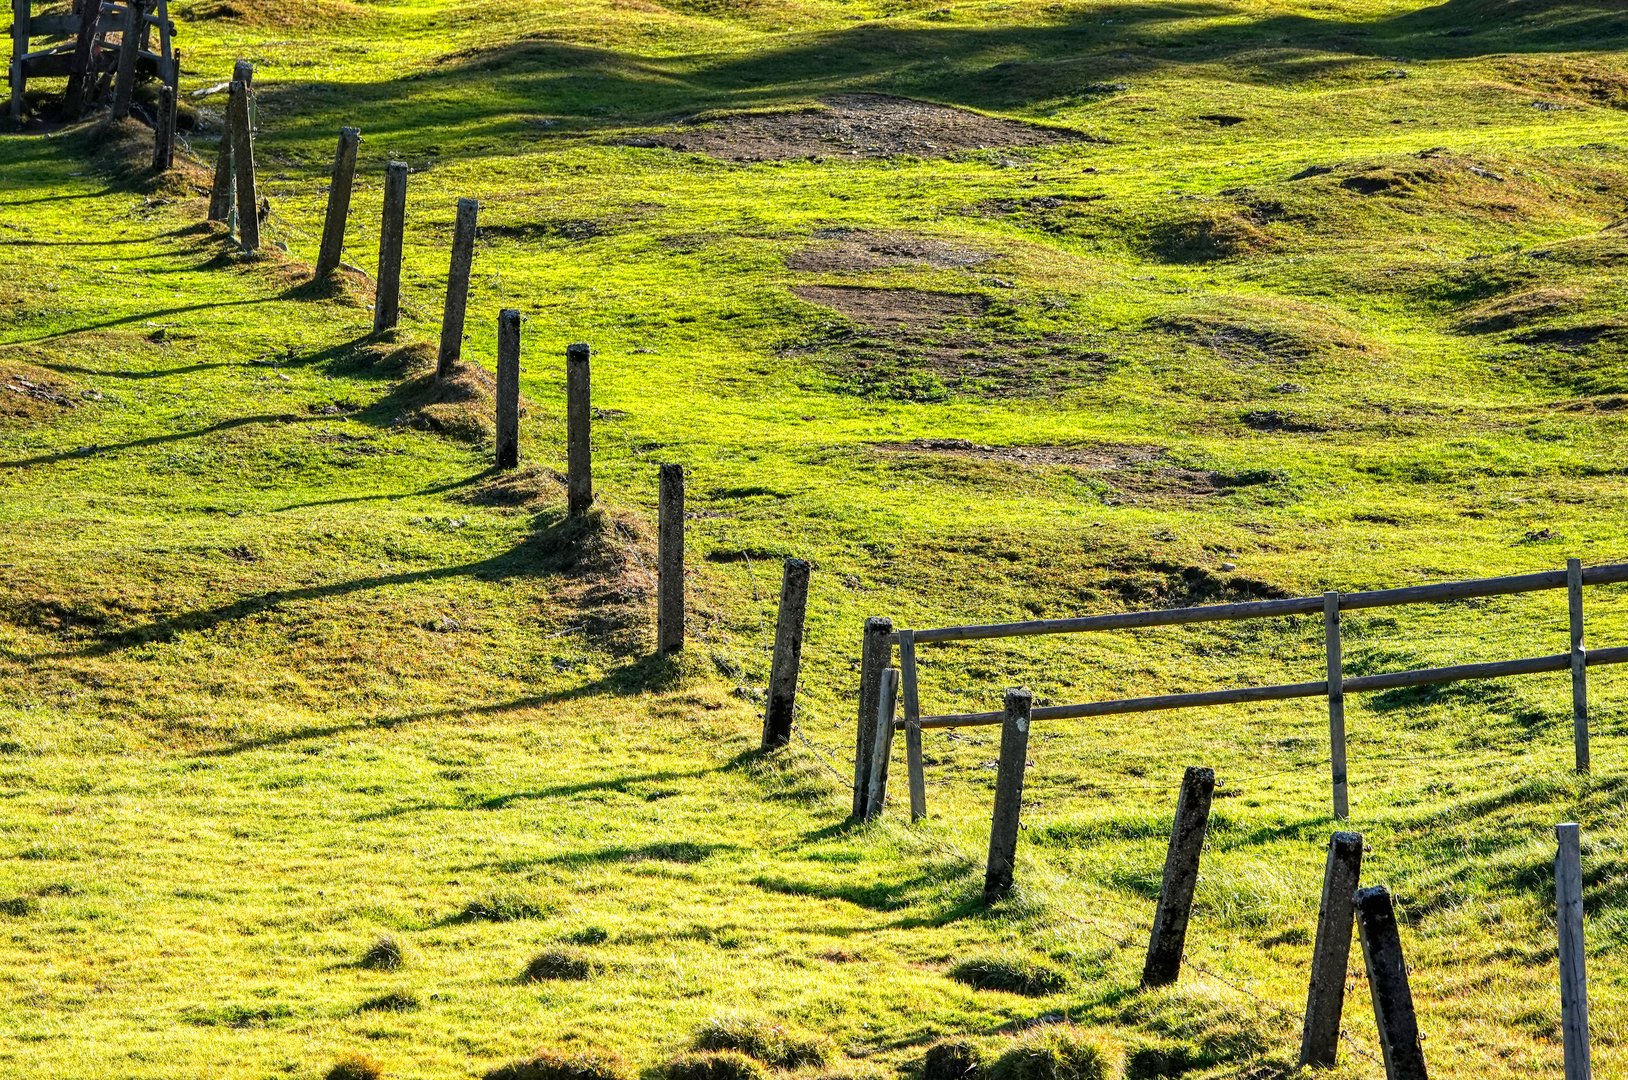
1343, 901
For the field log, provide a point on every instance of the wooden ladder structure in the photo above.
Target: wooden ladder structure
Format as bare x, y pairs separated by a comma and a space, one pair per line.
101, 47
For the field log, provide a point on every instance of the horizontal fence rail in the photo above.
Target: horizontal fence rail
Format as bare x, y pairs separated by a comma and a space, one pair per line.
1613, 574
1395, 680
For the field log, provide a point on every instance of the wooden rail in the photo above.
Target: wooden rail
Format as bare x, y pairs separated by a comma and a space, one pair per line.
1333, 687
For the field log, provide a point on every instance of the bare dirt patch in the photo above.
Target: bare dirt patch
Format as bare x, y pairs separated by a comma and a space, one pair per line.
849, 250
1131, 470
915, 345
30, 393
854, 126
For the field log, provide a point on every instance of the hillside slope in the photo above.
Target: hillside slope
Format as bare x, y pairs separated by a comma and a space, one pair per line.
992, 311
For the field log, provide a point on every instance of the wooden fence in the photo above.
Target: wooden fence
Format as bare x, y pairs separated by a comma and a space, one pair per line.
876, 727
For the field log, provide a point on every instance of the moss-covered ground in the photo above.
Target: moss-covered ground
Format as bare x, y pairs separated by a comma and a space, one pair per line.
1241, 300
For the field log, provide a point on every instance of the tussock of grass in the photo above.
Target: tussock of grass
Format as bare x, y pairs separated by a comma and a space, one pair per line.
554, 1064
386, 954
461, 405
715, 1065
773, 1043
1027, 975
510, 905
19, 907
955, 1059
558, 964
1059, 1052
394, 1001
355, 1067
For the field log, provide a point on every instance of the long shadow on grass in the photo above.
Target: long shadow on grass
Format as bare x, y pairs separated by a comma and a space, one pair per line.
160, 440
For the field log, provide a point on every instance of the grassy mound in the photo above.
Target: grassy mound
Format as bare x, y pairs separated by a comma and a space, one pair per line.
781, 1045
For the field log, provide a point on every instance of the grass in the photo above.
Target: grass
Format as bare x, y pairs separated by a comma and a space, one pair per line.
1319, 296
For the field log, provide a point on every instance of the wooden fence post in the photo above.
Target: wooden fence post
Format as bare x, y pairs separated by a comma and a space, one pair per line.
912, 725
79, 73
1573, 962
339, 191
875, 655
164, 130
392, 229
1325, 999
788, 655
222, 192
452, 317
248, 202
1336, 702
1579, 663
1388, 983
124, 81
1003, 823
1180, 880
508, 389
670, 562
578, 430
20, 30
882, 746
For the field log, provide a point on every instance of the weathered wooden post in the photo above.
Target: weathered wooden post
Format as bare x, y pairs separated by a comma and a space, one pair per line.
79, 81
788, 655
1003, 824
875, 655
912, 725
392, 231
1573, 962
579, 467
1325, 999
1579, 663
339, 191
882, 747
1388, 983
124, 81
222, 192
670, 562
1175, 907
508, 389
452, 318
164, 131
248, 201
1336, 702
21, 14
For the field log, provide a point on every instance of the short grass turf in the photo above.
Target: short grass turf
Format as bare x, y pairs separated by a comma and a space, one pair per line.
1265, 299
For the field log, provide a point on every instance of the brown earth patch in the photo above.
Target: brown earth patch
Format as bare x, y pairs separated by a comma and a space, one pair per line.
1132, 470
848, 250
1522, 309
31, 393
854, 126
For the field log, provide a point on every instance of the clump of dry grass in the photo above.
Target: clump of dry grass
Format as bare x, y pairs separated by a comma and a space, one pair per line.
1059, 1052
355, 1067
552, 1064
954, 1059
715, 1065
558, 965
776, 1044
386, 954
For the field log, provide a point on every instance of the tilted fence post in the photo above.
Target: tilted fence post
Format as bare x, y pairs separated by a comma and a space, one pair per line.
508, 389
1388, 984
1331, 955
248, 201
224, 190
876, 654
452, 317
1180, 880
1006, 819
79, 74
670, 562
339, 192
1579, 663
392, 230
164, 130
578, 430
1573, 960
124, 79
788, 655
912, 725
1336, 703
882, 746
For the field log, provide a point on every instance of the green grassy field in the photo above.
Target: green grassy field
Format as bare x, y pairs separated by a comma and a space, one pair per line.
1206, 302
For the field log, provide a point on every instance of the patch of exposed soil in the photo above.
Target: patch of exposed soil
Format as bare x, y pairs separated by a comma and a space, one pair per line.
1133, 470
913, 345
848, 250
1522, 309
1158, 584
31, 393
1279, 420
855, 126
